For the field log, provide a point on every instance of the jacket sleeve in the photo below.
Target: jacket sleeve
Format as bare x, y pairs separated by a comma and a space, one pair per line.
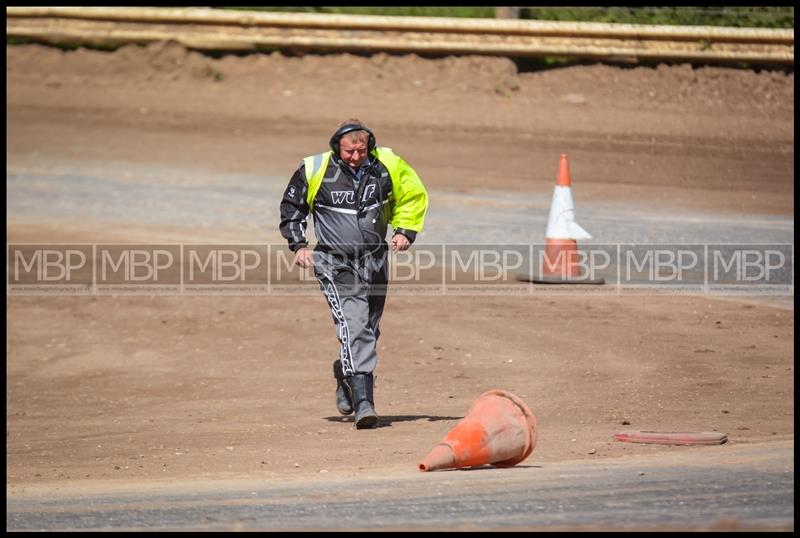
410, 201
294, 211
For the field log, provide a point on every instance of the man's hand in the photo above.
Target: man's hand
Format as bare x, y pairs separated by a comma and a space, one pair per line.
400, 243
304, 258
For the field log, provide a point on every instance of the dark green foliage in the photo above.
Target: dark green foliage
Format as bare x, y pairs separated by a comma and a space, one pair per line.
415, 11
755, 17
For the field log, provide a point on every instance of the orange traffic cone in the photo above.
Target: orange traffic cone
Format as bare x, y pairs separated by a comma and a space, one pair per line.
561, 262
499, 429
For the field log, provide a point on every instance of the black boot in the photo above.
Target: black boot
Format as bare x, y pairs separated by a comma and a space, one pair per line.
344, 402
361, 386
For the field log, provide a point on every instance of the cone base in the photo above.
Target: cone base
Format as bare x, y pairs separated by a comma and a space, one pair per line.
530, 419
672, 438
558, 280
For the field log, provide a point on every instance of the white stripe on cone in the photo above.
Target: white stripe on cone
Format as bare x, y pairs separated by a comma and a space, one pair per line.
561, 224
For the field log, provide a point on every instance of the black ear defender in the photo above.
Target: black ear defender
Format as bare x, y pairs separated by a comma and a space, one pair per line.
349, 128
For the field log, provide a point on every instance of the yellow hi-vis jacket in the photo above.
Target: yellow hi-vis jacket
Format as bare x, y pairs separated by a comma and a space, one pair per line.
408, 202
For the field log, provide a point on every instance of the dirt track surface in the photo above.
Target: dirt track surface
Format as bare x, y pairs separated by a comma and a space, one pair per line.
133, 389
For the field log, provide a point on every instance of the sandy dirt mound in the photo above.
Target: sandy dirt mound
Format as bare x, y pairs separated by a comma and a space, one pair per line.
706, 138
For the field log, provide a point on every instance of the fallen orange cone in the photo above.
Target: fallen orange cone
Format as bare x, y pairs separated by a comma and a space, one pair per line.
499, 429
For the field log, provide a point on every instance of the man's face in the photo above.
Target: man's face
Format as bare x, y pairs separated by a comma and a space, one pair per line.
353, 152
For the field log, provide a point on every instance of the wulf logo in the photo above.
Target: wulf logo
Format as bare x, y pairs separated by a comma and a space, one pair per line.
340, 197
369, 191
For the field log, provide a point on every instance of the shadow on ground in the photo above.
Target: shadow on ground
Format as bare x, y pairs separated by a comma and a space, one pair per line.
387, 420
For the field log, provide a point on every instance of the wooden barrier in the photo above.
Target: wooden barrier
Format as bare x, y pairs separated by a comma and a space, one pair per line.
212, 29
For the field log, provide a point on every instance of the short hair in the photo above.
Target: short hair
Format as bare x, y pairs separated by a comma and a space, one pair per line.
355, 136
